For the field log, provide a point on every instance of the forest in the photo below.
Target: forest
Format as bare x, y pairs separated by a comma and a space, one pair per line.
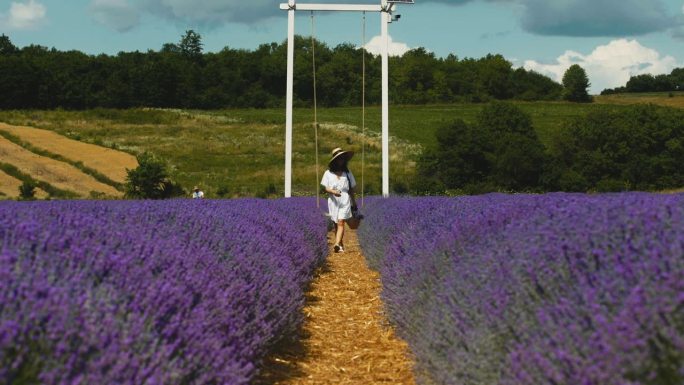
651, 83
182, 75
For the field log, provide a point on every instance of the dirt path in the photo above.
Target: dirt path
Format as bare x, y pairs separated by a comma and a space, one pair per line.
345, 339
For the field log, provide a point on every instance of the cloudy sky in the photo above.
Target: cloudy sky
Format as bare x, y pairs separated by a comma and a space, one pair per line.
611, 39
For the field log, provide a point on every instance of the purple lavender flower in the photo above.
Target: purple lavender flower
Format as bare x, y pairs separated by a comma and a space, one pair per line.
175, 292
549, 289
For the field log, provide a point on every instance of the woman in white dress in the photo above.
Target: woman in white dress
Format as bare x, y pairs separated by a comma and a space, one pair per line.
339, 183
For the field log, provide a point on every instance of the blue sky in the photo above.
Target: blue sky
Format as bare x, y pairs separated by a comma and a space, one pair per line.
611, 39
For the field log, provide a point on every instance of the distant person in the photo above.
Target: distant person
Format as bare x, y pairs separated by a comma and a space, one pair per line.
339, 183
197, 193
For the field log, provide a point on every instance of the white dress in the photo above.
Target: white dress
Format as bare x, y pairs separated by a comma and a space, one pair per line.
339, 207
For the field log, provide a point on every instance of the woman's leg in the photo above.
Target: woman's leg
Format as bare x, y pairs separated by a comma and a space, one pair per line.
340, 232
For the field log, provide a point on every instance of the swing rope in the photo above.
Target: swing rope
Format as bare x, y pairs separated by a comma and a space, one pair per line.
315, 101
363, 109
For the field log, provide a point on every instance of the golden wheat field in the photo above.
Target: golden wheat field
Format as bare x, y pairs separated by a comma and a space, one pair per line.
111, 163
58, 174
9, 187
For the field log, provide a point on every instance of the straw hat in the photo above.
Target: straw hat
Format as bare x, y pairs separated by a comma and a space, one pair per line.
338, 152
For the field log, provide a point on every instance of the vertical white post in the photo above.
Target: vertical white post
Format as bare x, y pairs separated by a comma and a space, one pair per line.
290, 97
384, 20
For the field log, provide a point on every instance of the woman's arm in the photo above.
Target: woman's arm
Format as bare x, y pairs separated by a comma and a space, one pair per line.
333, 191
325, 183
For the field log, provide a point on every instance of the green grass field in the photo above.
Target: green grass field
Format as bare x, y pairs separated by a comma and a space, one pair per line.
241, 152
668, 99
417, 124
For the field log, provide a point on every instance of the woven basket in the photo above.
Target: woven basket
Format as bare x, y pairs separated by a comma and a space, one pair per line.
354, 223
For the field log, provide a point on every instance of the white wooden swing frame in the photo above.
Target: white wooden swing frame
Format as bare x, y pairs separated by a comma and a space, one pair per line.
385, 8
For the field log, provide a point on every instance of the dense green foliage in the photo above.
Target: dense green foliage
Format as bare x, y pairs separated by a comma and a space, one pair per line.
6, 46
650, 83
27, 191
576, 84
640, 147
181, 75
150, 180
501, 151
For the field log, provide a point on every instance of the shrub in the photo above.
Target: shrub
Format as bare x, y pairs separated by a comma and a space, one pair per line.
27, 191
501, 151
268, 192
153, 292
459, 159
576, 83
640, 148
534, 289
150, 180
400, 188
223, 191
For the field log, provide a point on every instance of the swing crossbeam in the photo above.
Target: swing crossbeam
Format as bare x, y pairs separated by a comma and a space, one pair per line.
334, 7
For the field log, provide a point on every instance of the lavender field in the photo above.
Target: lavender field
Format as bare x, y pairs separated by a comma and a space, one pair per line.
175, 292
551, 289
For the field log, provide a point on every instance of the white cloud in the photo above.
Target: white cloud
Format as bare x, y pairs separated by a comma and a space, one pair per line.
374, 46
610, 65
213, 12
544, 17
116, 14
24, 15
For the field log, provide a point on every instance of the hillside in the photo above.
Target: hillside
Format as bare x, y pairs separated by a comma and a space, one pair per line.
9, 187
110, 163
61, 167
240, 152
668, 99
228, 153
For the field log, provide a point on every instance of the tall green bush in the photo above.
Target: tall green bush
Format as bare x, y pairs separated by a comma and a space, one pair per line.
576, 85
500, 152
150, 180
27, 191
640, 148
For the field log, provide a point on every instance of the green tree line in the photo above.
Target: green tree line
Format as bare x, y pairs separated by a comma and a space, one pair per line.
640, 147
650, 83
181, 75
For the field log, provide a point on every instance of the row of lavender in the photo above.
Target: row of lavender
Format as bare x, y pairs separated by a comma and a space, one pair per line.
551, 289
176, 292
